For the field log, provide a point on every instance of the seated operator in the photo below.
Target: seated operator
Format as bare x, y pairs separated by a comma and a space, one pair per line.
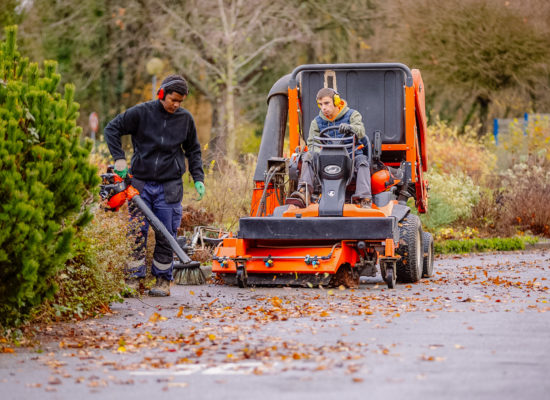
334, 112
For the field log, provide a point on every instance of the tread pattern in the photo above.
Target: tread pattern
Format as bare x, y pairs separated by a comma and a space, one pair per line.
410, 230
428, 246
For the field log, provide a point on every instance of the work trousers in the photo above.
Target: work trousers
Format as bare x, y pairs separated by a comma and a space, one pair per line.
361, 170
170, 215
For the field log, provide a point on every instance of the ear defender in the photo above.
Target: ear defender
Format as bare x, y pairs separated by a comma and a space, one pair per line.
160, 93
336, 99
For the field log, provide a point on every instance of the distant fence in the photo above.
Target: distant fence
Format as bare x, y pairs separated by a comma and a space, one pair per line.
503, 126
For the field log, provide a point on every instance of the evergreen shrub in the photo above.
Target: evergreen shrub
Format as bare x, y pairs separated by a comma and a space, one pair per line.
45, 178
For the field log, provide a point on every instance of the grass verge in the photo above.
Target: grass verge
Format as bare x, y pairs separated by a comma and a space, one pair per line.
481, 245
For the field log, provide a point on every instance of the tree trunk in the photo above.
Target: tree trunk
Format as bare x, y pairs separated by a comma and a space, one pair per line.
230, 103
483, 102
218, 133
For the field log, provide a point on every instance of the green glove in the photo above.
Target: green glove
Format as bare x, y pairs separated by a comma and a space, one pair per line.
199, 186
121, 168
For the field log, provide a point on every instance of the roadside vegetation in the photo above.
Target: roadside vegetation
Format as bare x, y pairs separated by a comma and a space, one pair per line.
487, 191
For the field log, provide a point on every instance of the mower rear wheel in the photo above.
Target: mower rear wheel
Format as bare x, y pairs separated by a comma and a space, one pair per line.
428, 265
410, 265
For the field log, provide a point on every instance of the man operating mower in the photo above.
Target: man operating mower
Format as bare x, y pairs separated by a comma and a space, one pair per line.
163, 134
334, 111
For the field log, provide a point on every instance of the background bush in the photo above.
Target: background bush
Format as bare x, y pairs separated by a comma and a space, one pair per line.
453, 152
525, 196
93, 276
228, 191
45, 178
452, 196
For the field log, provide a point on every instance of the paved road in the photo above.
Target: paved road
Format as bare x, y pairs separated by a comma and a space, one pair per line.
479, 329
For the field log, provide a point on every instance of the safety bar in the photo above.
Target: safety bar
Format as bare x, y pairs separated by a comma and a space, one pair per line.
354, 66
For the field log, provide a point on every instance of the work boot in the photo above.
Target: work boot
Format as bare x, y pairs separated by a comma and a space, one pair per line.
134, 287
366, 203
297, 198
161, 288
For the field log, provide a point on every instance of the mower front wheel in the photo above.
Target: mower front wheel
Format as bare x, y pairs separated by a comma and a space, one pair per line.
389, 276
410, 265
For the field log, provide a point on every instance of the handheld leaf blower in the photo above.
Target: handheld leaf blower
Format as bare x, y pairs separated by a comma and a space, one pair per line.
116, 191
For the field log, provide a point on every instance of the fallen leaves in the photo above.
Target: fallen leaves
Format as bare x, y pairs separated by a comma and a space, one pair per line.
155, 317
313, 330
424, 357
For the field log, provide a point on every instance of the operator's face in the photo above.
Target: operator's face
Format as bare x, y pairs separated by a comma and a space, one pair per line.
328, 108
172, 102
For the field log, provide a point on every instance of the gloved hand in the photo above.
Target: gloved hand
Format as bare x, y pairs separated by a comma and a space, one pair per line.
346, 129
121, 168
199, 186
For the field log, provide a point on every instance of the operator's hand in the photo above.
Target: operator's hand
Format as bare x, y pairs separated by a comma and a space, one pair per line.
121, 168
346, 129
199, 186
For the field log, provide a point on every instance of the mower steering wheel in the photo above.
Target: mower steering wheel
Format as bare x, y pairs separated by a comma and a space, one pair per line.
330, 128
348, 138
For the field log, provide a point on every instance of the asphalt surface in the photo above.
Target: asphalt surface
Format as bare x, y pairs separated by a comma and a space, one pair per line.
480, 328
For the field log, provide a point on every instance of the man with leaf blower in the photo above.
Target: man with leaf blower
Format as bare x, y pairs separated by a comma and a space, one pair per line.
163, 134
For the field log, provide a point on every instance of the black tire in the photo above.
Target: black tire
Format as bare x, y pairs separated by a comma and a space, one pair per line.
409, 266
241, 278
428, 264
389, 277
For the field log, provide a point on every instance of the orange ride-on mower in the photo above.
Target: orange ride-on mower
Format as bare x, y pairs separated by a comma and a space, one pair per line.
332, 241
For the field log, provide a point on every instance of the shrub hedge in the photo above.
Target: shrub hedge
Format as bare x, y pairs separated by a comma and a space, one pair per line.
45, 178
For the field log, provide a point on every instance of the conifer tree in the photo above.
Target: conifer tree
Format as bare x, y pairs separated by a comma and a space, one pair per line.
45, 178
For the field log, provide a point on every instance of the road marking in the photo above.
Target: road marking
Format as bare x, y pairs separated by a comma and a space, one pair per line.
245, 368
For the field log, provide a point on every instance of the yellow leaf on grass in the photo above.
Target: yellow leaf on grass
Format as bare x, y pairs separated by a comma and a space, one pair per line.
121, 349
212, 337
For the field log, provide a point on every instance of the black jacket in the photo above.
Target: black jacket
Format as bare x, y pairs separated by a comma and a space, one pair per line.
160, 141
